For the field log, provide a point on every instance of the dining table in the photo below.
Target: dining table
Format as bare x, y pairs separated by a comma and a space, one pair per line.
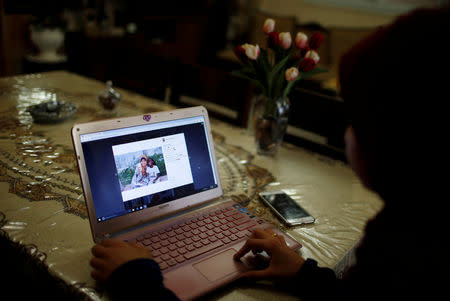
42, 206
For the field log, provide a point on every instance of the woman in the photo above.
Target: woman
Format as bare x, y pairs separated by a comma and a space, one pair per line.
141, 174
394, 84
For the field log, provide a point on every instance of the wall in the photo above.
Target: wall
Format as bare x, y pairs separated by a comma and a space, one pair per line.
325, 15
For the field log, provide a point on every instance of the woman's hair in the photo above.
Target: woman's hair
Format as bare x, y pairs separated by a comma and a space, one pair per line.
394, 84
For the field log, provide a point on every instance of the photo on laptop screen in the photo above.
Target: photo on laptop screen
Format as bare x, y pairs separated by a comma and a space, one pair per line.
150, 166
135, 168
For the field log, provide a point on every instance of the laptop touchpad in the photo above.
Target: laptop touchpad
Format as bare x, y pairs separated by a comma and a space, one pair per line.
219, 266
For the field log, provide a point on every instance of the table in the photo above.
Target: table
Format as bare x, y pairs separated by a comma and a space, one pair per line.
42, 205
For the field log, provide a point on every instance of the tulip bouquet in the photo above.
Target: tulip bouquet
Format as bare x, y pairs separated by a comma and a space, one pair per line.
278, 68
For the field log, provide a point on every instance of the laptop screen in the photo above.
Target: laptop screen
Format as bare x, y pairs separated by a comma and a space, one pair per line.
135, 168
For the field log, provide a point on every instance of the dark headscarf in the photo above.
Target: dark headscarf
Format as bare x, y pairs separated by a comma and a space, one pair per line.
396, 87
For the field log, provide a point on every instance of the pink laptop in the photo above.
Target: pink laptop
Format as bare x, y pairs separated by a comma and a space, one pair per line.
153, 179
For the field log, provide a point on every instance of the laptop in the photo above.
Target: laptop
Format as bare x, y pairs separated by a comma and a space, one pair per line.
153, 179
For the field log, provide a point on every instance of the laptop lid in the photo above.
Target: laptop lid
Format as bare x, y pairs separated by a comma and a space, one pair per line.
135, 169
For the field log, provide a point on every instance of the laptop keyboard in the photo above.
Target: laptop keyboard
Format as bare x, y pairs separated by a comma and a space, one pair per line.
199, 234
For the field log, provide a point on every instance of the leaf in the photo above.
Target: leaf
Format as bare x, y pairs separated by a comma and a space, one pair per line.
278, 86
274, 73
278, 67
290, 85
315, 71
254, 81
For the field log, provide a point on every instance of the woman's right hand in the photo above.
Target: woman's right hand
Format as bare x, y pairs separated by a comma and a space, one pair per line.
284, 262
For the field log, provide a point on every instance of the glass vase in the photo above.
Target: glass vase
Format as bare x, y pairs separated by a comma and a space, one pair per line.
270, 124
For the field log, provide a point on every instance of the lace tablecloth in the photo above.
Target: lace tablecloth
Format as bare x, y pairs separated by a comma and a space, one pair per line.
42, 207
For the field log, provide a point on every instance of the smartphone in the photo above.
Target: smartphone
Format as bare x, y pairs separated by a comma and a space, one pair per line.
286, 208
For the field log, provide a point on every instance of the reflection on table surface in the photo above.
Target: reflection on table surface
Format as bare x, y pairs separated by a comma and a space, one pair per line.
42, 203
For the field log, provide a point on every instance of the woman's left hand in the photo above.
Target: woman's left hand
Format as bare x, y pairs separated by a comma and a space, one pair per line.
110, 254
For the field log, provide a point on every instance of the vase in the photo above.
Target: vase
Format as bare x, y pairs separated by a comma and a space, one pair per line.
270, 124
48, 41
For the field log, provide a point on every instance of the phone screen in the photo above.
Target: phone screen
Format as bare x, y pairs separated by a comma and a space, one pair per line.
285, 206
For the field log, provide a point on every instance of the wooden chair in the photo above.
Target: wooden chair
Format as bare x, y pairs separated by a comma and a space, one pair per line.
224, 95
317, 121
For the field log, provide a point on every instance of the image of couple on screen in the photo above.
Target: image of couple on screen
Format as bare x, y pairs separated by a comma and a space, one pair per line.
139, 169
146, 172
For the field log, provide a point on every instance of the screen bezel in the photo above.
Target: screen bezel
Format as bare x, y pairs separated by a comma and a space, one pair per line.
120, 223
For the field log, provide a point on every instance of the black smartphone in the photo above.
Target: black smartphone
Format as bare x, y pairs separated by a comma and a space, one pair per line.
286, 208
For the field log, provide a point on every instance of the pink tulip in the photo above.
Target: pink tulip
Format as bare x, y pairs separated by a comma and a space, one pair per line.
269, 26
312, 54
285, 40
301, 40
291, 74
239, 52
252, 51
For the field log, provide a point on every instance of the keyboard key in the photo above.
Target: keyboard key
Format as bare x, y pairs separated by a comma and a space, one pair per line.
241, 234
247, 225
233, 237
203, 250
163, 266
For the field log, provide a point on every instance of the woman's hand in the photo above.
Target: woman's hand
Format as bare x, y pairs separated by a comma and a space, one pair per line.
110, 254
284, 262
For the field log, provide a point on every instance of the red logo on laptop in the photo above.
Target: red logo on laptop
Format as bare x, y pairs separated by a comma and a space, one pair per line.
147, 117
